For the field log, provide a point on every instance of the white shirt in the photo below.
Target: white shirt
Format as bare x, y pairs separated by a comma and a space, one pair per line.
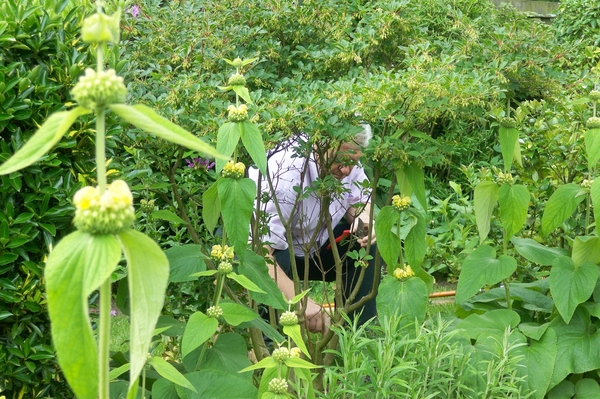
288, 171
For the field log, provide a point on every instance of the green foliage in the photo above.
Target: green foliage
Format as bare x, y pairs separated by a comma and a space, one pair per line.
577, 23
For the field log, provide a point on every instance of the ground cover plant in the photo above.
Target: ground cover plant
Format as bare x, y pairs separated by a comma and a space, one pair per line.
440, 85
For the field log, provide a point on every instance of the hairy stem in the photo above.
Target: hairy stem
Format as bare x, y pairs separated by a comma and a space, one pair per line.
104, 340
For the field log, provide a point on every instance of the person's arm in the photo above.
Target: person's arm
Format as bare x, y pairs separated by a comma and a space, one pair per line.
353, 218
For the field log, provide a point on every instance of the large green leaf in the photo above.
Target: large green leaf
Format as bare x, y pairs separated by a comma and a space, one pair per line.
168, 371
235, 314
492, 323
185, 260
586, 249
388, 242
536, 252
252, 140
592, 147
148, 275
211, 207
571, 284
148, 120
237, 202
514, 202
79, 264
482, 268
255, 268
415, 245
199, 328
50, 133
405, 298
539, 359
508, 141
485, 199
245, 282
411, 180
228, 138
561, 204
229, 354
215, 384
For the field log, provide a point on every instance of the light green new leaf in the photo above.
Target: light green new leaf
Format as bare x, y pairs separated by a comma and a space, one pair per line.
296, 362
77, 266
485, 199
489, 324
168, 371
228, 138
508, 141
514, 202
50, 133
411, 180
148, 120
245, 282
482, 268
266, 363
561, 204
211, 207
168, 216
586, 249
255, 268
539, 358
592, 147
415, 245
237, 202
199, 328
571, 285
536, 252
295, 333
388, 242
119, 371
148, 276
243, 92
234, 313
252, 140
405, 298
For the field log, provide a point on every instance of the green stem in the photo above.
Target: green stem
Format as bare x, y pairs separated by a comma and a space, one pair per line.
101, 150
588, 207
506, 280
219, 289
400, 257
104, 340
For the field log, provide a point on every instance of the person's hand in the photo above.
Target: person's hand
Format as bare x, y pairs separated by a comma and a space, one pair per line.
361, 230
317, 320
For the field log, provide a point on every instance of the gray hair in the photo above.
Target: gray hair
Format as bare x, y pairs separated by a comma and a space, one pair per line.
362, 138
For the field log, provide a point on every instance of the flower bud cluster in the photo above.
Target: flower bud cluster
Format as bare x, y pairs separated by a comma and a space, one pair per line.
225, 268
278, 385
281, 354
593, 123
109, 213
237, 79
215, 312
594, 95
237, 114
587, 183
147, 206
508, 122
502, 178
295, 352
97, 90
400, 203
288, 319
101, 28
404, 273
234, 170
221, 253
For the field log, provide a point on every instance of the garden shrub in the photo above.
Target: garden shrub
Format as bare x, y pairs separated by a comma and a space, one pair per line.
577, 23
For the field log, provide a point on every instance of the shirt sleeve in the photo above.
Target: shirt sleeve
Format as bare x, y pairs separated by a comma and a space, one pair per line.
358, 193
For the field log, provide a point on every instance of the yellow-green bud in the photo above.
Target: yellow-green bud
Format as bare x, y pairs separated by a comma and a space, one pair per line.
221, 253
281, 354
400, 203
587, 184
237, 114
278, 385
101, 28
288, 319
234, 170
508, 122
503, 178
97, 90
225, 267
594, 95
404, 273
237, 79
215, 312
295, 352
593, 123
237, 63
109, 213
147, 206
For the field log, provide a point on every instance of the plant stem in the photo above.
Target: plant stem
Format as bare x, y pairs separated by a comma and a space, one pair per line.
219, 289
100, 150
400, 257
104, 340
588, 207
506, 280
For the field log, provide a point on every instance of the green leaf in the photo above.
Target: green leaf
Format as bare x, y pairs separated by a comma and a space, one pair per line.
245, 282
255, 268
237, 202
78, 265
50, 133
168, 216
296, 362
388, 242
587, 388
168, 371
234, 313
148, 275
415, 245
539, 358
508, 141
514, 202
298, 297
199, 328
229, 354
411, 180
485, 199
266, 363
148, 120
536, 252
561, 204
185, 260
571, 284
595, 195
205, 273
592, 147
116, 373
228, 138
295, 333
482, 268
405, 298
492, 323
215, 384
253, 143
243, 92
564, 390
586, 249
211, 207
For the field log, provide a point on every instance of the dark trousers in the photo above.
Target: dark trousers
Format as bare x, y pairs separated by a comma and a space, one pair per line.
321, 267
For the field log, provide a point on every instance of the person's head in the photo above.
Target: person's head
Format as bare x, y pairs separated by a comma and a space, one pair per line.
348, 153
